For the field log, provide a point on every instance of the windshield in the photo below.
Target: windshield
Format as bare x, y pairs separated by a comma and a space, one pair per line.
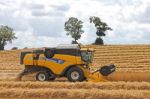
87, 56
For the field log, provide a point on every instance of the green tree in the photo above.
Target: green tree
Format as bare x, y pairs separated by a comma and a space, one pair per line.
73, 27
6, 35
101, 28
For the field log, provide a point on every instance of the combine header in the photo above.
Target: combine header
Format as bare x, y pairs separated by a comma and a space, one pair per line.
70, 61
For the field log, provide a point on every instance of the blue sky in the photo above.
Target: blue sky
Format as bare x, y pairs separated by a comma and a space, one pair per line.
40, 23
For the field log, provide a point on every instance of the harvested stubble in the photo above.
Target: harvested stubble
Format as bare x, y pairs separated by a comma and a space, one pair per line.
123, 55
58, 90
77, 85
74, 94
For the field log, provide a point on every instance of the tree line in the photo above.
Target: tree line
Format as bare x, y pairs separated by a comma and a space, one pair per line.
73, 27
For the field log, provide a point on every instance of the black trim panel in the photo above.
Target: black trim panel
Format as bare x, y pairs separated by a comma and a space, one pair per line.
73, 52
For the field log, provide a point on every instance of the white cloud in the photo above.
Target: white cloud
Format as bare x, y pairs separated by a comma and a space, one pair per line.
40, 23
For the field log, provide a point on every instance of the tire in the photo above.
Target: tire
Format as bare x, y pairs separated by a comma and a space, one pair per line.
75, 74
42, 76
51, 76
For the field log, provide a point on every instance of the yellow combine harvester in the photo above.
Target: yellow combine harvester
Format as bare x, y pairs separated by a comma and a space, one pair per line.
68, 61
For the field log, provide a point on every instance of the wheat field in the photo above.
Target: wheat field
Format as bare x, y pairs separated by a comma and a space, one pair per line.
82, 90
130, 81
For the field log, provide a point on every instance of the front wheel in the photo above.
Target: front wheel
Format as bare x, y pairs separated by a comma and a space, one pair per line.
75, 74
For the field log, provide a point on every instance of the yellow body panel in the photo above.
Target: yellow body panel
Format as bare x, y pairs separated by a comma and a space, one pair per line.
86, 72
28, 59
96, 77
56, 68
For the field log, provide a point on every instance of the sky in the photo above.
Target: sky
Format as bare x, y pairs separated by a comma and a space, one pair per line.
40, 23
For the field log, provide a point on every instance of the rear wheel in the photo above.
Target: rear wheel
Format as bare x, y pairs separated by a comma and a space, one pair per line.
75, 74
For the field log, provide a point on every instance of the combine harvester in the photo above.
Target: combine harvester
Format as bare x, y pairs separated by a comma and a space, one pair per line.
68, 61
